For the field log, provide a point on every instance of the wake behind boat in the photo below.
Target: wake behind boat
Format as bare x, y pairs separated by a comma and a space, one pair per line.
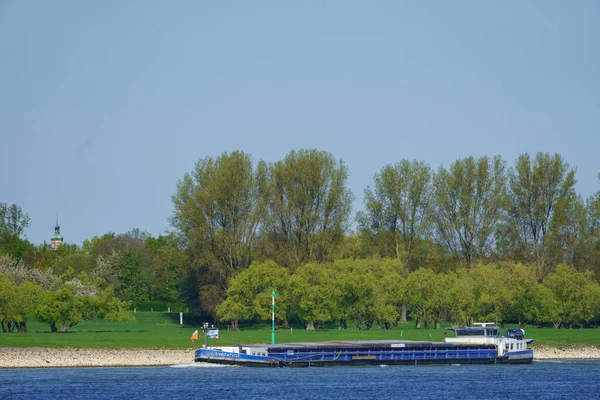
472, 345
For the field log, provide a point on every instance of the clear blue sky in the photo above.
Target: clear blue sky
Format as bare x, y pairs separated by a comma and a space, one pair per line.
104, 105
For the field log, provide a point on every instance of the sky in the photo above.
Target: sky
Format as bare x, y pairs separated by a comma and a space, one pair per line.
105, 105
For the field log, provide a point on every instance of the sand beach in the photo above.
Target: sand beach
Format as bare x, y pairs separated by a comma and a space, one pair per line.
70, 357
36, 357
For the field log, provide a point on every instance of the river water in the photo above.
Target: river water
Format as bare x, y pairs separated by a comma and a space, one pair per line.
540, 380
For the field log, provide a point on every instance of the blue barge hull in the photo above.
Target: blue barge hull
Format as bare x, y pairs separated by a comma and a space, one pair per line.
362, 353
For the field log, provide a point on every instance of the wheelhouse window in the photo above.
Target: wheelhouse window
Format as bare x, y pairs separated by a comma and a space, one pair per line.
477, 332
471, 332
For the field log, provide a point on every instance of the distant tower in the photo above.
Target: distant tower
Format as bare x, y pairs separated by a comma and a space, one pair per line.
57, 238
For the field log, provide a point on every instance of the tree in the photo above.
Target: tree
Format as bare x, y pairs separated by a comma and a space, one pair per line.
23, 301
537, 188
132, 277
74, 303
541, 306
573, 290
91, 246
421, 287
313, 290
169, 265
468, 206
6, 294
358, 293
105, 272
309, 208
16, 247
521, 284
462, 293
125, 262
13, 220
397, 208
80, 262
583, 246
493, 292
218, 209
20, 273
105, 304
368, 291
61, 307
249, 294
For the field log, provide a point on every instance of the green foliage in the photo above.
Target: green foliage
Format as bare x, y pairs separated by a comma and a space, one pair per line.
13, 220
249, 294
218, 208
421, 288
468, 205
91, 246
576, 296
398, 208
309, 207
6, 289
131, 283
78, 262
61, 307
23, 301
540, 191
230, 213
495, 292
168, 271
461, 290
369, 291
17, 248
314, 293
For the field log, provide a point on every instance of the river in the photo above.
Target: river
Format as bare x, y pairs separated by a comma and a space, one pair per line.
540, 380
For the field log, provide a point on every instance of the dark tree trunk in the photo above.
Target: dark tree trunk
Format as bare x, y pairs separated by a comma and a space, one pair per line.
368, 324
403, 314
52, 326
23, 326
66, 327
343, 324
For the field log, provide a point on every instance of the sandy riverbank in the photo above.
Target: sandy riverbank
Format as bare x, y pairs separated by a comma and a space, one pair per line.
566, 353
53, 358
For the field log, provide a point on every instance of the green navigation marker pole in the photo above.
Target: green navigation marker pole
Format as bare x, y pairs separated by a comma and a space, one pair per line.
273, 319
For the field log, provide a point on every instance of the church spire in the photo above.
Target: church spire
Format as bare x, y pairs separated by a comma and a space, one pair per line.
57, 239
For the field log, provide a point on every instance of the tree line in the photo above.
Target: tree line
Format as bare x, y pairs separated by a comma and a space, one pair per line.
374, 291
294, 215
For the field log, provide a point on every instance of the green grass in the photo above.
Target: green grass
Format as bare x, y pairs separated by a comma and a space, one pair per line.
162, 330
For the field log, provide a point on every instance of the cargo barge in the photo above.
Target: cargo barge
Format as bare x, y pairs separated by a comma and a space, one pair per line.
473, 345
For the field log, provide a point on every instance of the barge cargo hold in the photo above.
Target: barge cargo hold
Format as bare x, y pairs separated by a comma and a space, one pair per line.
470, 346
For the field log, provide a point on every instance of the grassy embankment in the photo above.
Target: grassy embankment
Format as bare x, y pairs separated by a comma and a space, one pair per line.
162, 330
